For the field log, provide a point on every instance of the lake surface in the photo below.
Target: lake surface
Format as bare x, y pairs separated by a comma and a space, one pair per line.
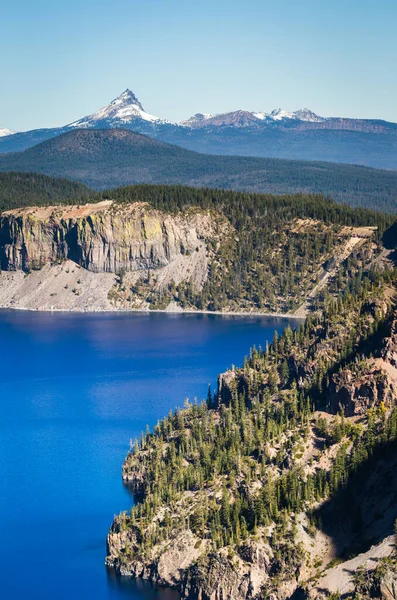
74, 390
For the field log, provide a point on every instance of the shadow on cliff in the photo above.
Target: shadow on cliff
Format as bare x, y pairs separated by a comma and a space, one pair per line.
389, 238
372, 345
74, 250
363, 512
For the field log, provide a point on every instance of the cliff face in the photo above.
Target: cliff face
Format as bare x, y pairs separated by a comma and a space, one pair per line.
184, 564
354, 393
102, 237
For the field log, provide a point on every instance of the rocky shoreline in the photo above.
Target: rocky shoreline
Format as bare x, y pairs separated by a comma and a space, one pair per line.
147, 311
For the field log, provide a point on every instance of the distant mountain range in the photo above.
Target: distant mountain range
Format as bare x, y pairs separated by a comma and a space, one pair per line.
106, 158
301, 135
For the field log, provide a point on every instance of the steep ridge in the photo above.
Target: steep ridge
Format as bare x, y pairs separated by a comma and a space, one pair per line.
99, 237
259, 491
48, 255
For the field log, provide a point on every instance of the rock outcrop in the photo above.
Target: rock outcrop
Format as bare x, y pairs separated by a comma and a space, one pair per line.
168, 569
357, 387
217, 577
104, 256
388, 586
354, 394
182, 564
226, 382
389, 352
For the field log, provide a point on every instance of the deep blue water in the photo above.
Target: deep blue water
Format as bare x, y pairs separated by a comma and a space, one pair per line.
74, 390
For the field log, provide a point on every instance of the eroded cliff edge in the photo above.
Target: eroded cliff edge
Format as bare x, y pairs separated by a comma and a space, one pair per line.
89, 257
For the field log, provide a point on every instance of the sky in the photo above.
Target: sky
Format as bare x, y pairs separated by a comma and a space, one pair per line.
63, 59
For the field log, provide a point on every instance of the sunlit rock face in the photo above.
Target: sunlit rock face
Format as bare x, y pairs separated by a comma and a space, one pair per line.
103, 237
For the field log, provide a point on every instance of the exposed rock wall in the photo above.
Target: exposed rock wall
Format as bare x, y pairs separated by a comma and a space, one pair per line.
181, 565
354, 394
388, 586
103, 237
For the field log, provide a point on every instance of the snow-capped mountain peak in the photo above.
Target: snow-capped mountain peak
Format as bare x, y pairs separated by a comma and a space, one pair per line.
303, 114
127, 98
197, 118
5, 132
121, 111
278, 113
243, 118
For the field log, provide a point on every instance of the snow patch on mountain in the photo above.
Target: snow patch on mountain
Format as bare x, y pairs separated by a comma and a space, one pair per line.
262, 116
197, 118
303, 114
278, 114
5, 132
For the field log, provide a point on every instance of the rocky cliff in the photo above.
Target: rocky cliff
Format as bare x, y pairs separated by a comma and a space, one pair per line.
102, 237
103, 256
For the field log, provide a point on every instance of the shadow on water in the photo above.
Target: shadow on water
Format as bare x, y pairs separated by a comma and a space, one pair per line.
130, 491
139, 588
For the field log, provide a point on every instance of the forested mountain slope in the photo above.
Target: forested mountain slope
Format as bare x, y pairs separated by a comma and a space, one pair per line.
107, 158
288, 469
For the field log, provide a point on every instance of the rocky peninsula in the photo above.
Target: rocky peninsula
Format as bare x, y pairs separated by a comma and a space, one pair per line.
271, 486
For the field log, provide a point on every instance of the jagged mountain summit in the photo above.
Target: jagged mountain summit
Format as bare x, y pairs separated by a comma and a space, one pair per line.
242, 118
301, 135
122, 111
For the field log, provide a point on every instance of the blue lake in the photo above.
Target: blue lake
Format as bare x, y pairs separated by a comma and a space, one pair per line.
74, 390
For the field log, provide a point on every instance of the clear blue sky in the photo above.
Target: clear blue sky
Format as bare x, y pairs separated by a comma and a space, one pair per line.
63, 59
